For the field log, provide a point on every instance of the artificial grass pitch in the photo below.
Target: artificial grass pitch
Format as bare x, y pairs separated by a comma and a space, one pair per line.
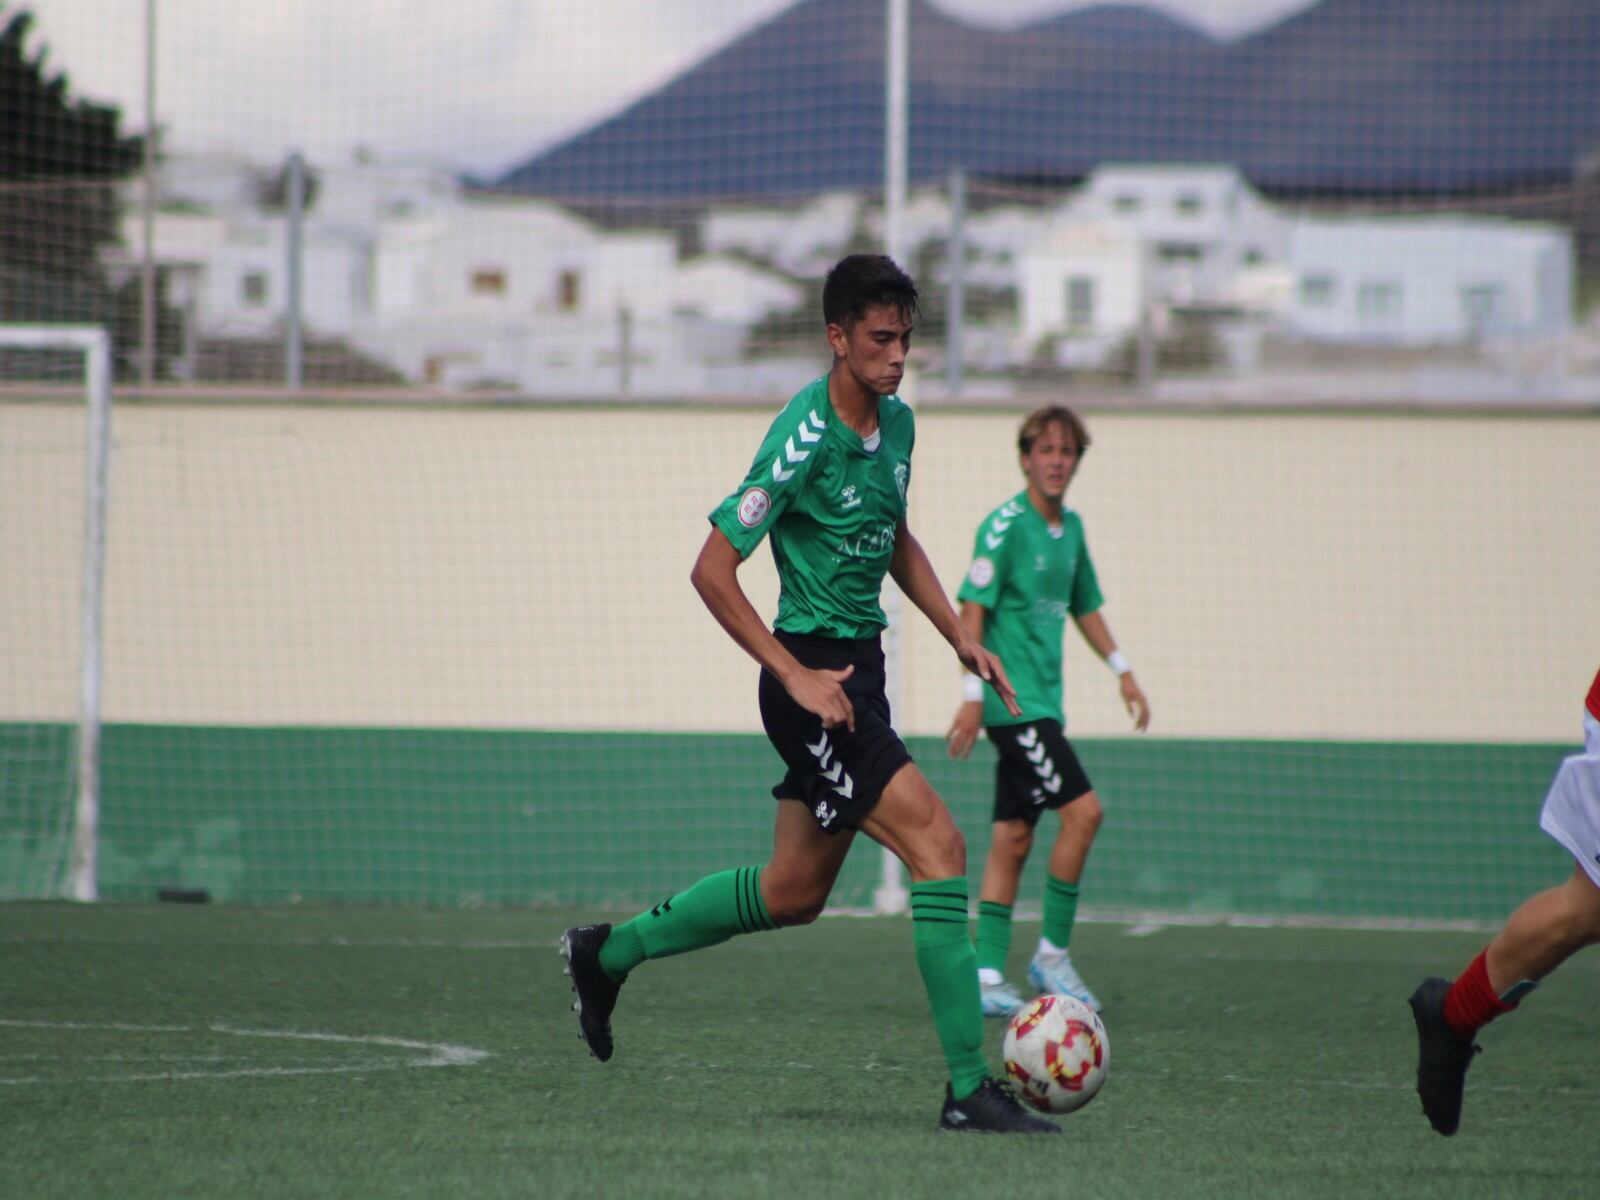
174, 1051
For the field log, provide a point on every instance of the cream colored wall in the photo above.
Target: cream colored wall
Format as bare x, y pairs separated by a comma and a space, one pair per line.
1283, 576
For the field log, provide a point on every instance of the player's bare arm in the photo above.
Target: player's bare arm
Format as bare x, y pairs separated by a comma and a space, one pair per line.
716, 577
968, 721
911, 570
1098, 634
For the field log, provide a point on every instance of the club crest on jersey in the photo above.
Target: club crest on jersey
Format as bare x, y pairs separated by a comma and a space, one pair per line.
753, 507
902, 478
981, 573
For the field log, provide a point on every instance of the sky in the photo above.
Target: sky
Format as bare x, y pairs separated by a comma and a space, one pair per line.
473, 86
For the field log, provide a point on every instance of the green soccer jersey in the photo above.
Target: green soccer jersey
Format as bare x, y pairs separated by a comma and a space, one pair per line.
1029, 576
832, 503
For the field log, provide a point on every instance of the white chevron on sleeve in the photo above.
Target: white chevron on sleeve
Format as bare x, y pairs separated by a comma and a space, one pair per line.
791, 453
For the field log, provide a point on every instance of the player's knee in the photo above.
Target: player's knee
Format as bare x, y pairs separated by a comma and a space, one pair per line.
796, 906
1584, 910
1011, 845
1085, 813
948, 847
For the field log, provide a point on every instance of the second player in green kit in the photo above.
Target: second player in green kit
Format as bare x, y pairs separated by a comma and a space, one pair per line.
1030, 573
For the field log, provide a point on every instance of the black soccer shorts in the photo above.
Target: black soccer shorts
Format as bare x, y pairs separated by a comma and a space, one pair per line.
839, 775
1037, 770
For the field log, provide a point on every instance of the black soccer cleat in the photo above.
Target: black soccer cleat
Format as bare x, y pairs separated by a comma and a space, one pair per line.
596, 991
993, 1108
1443, 1057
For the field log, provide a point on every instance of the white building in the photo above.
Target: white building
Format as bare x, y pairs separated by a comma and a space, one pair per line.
1201, 224
1202, 240
1145, 237
1429, 279
453, 288
804, 239
230, 274
1083, 283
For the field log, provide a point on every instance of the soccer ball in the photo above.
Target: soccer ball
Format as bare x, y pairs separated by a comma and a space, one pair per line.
1057, 1053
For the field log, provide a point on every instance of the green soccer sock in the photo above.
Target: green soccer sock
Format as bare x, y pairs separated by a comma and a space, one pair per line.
949, 967
712, 911
994, 935
1060, 910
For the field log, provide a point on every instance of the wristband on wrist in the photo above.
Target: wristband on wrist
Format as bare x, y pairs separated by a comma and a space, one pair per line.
971, 687
1118, 663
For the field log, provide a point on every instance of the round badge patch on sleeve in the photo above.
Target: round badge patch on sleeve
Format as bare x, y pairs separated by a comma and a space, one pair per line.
981, 573
753, 507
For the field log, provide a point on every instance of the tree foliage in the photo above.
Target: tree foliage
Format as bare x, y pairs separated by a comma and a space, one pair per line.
60, 161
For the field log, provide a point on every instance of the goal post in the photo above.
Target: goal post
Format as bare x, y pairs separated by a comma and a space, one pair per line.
94, 344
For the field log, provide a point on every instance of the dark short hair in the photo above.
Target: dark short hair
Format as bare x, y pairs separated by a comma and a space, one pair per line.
864, 281
1040, 419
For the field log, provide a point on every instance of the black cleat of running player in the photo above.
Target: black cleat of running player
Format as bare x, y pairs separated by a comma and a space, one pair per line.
1443, 1057
596, 991
993, 1108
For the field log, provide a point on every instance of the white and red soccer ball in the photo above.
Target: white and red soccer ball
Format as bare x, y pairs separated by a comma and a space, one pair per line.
1057, 1053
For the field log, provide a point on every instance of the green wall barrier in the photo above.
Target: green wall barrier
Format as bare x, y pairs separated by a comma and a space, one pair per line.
1277, 829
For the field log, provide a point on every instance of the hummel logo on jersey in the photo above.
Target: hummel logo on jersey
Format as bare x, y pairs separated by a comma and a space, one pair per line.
809, 432
849, 497
835, 774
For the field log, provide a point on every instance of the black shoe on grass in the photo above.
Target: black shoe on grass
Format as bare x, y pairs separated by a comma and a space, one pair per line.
596, 991
1443, 1057
993, 1108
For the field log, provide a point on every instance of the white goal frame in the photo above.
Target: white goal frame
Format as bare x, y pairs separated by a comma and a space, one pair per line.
94, 343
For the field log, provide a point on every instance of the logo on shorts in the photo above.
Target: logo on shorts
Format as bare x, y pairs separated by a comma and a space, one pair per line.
981, 573
1034, 749
835, 774
753, 507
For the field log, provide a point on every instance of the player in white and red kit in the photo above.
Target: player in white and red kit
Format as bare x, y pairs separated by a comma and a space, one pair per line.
1542, 934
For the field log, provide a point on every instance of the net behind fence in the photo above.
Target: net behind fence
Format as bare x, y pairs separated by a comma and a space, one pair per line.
451, 654
1346, 203
436, 336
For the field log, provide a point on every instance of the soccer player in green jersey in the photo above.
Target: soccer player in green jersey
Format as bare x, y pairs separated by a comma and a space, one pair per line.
1030, 571
829, 485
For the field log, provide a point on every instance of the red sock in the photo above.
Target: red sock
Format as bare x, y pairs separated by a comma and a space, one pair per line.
1471, 1002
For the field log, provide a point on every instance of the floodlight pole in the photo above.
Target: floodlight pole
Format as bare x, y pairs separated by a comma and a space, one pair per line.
294, 372
147, 265
891, 895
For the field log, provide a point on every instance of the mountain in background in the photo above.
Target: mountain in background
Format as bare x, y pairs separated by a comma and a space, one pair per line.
1347, 96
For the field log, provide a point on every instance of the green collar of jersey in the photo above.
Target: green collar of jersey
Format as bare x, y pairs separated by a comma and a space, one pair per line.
849, 438
1025, 502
